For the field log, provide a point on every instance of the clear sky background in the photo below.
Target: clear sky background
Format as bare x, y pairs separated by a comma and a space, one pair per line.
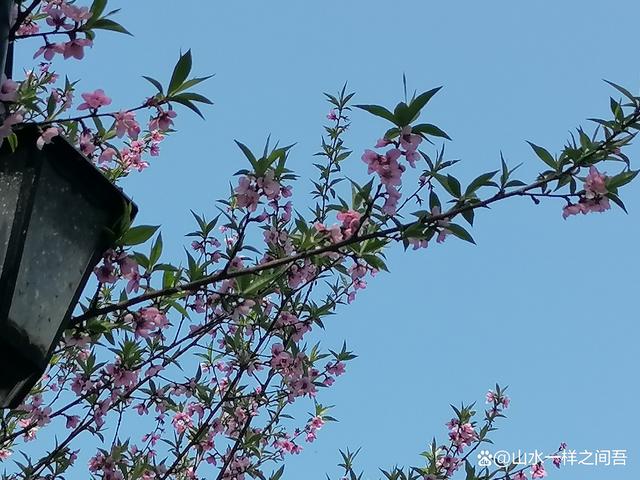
546, 306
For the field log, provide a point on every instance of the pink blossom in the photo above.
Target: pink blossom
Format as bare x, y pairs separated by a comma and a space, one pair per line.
449, 464
129, 270
8, 90
87, 145
7, 126
595, 183
163, 120
391, 201
461, 435
520, 476
75, 13
270, 187
181, 422
538, 471
28, 27
73, 421
246, 194
125, 122
57, 19
49, 50
317, 422
81, 384
107, 155
418, 243
382, 142
409, 141
121, 376
94, 100
4, 454
75, 48
350, 222
336, 369
412, 158
46, 137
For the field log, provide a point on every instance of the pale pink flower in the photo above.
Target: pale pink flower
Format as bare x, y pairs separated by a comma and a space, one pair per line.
107, 155
7, 126
163, 120
75, 13
49, 50
350, 222
73, 421
247, 195
538, 471
126, 123
391, 201
595, 183
382, 142
46, 137
409, 141
94, 100
8, 90
75, 48
181, 422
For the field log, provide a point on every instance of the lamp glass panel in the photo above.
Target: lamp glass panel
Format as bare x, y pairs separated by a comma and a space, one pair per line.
63, 233
10, 183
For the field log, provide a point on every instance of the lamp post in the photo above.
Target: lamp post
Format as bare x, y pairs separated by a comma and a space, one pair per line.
5, 27
57, 212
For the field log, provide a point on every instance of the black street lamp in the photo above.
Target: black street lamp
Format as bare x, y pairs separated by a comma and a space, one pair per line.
56, 212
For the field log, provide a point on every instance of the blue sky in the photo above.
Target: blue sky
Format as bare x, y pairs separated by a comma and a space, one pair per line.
544, 305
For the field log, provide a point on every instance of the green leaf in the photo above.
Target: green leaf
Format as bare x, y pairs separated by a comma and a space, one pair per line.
277, 474
402, 115
454, 185
420, 101
154, 82
139, 234
468, 215
621, 179
97, 7
617, 201
192, 83
480, 181
544, 155
156, 250
194, 97
259, 282
189, 104
180, 72
429, 129
460, 232
247, 153
622, 90
106, 24
378, 111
